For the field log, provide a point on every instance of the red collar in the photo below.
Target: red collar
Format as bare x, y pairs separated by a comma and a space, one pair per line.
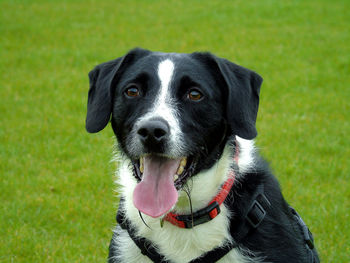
211, 211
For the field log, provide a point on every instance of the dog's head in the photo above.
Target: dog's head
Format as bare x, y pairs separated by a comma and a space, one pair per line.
172, 115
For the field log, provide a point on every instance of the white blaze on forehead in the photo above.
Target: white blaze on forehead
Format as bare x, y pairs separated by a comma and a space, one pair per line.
165, 73
162, 106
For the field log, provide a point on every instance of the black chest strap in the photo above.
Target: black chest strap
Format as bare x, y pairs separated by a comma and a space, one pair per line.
308, 238
253, 216
146, 247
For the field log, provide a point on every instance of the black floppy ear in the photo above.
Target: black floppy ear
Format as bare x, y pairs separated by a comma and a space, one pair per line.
243, 88
102, 81
99, 106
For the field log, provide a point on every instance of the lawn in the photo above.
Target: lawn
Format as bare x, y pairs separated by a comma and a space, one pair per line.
57, 196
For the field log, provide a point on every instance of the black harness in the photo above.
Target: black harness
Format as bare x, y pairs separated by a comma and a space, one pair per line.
254, 216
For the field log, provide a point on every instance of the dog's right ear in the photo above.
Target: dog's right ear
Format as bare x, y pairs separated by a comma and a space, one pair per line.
102, 81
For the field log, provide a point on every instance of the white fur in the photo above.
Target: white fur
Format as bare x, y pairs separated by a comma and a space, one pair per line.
246, 154
165, 74
177, 244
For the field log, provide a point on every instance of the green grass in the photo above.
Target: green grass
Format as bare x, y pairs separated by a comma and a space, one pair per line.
56, 191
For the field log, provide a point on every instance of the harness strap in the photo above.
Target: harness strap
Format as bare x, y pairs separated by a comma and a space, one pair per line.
308, 238
143, 244
215, 254
254, 216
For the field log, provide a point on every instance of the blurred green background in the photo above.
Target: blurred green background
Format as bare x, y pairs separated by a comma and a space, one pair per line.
56, 181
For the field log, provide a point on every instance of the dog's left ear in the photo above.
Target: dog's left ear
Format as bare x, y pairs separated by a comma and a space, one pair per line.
242, 88
243, 97
102, 82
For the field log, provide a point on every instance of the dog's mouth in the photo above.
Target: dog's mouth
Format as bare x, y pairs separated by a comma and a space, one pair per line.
184, 171
159, 180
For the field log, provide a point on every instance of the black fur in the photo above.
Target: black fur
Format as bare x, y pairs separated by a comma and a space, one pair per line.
278, 238
229, 107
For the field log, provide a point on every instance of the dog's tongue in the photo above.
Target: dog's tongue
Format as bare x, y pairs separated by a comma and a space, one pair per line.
156, 193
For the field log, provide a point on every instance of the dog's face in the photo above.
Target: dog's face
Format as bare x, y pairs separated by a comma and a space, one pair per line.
172, 115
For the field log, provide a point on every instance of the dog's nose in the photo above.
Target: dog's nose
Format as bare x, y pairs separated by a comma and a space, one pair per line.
155, 130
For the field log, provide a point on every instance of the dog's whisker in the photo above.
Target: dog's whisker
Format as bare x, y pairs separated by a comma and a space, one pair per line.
144, 220
187, 191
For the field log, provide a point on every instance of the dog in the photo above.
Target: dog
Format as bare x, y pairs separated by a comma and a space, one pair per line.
193, 188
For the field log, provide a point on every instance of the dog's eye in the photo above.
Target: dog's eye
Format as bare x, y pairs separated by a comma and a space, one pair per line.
132, 91
194, 95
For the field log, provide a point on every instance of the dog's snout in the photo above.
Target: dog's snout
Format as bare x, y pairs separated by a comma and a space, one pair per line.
153, 130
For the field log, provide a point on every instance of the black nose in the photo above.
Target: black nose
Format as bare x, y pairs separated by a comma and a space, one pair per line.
153, 131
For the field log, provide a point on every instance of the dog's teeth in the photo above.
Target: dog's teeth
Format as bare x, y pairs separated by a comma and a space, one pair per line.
182, 165
141, 165
180, 170
176, 177
183, 162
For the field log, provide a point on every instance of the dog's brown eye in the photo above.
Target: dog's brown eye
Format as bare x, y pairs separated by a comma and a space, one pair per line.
195, 95
132, 91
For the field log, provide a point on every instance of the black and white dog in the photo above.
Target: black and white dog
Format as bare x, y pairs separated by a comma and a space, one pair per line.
193, 187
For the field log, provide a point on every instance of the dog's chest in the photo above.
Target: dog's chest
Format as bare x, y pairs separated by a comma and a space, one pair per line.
180, 245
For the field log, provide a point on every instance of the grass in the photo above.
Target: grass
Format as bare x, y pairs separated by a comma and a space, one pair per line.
56, 191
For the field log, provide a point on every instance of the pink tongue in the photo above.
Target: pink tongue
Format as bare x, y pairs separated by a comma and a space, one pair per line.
156, 193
